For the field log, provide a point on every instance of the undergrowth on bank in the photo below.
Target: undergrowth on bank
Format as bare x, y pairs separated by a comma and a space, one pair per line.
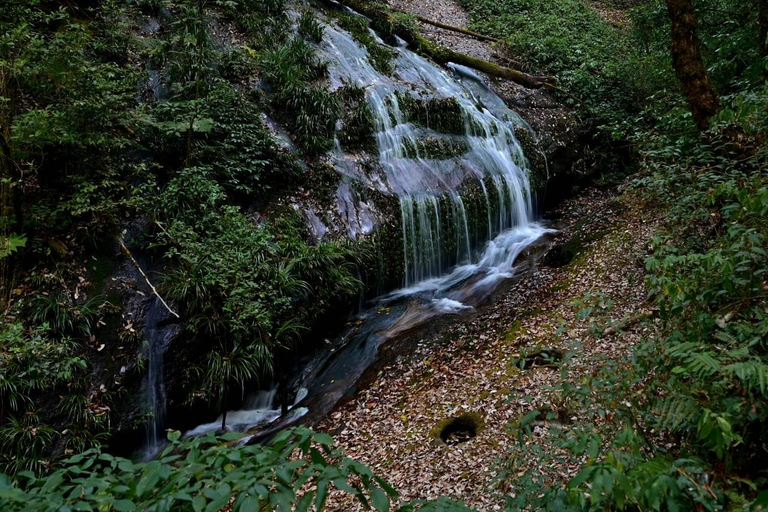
681, 426
143, 123
678, 426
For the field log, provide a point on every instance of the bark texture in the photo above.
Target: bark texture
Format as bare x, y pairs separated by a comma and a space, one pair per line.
762, 22
689, 65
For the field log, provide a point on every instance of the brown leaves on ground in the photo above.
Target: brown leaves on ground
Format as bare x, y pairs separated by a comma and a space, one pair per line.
470, 366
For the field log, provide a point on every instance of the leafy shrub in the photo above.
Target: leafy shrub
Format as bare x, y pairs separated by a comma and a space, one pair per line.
682, 425
202, 474
240, 284
244, 155
31, 364
295, 471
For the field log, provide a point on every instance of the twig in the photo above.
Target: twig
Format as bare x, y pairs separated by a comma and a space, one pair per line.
138, 267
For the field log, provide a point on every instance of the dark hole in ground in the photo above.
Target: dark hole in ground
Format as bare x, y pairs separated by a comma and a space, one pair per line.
461, 429
548, 357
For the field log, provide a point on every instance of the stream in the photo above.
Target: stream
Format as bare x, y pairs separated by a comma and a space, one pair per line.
455, 255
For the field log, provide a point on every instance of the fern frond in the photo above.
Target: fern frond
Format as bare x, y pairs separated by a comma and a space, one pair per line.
752, 374
677, 412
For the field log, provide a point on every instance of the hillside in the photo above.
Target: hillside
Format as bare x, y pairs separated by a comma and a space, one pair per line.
504, 255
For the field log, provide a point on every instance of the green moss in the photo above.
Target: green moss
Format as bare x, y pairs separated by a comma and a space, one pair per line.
443, 115
383, 261
537, 163
515, 331
434, 148
561, 285
357, 131
380, 56
323, 180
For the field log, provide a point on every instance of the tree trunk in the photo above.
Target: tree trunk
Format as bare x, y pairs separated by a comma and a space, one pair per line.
762, 22
688, 63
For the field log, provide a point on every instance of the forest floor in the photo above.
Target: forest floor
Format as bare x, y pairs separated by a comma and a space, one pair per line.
470, 367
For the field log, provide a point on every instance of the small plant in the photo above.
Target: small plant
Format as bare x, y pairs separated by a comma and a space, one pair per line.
379, 55
310, 28
64, 315
26, 444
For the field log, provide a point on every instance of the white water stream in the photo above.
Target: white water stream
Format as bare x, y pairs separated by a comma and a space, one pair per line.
449, 266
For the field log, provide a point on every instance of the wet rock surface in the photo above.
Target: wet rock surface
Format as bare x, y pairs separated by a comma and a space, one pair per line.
556, 128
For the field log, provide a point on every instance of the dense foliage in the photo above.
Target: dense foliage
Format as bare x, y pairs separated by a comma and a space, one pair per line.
295, 471
109, 122
682, 425
118, 115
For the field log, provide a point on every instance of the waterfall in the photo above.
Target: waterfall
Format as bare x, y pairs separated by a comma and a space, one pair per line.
258, 409
466, 215
157, 339
446, 240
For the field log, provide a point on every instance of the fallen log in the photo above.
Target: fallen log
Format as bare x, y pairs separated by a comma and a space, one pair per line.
387, 21
443, 56
460, 30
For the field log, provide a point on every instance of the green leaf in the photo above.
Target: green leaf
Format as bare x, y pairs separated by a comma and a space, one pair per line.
379, 499
324, 439
124, 506
11, 243
760, 503
322, 494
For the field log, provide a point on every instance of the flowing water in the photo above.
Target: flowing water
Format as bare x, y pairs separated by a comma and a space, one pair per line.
157, 339
445, 241
259, 410
466, 218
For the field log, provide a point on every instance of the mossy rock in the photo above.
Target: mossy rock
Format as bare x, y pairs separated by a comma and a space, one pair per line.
537, 163
569, 252
357, 125
458, 429
436, 148
443, 115
380, 56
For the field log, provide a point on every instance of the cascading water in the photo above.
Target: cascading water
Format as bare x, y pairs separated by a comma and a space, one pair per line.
258, 411
454, 252
157, 340
438, 233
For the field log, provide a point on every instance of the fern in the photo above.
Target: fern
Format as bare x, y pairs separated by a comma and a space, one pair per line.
752, 374
677, 413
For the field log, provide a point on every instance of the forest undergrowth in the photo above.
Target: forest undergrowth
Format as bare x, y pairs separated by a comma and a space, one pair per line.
678, 424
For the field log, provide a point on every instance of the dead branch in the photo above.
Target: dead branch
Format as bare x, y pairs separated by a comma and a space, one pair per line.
138, 267
460, 30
